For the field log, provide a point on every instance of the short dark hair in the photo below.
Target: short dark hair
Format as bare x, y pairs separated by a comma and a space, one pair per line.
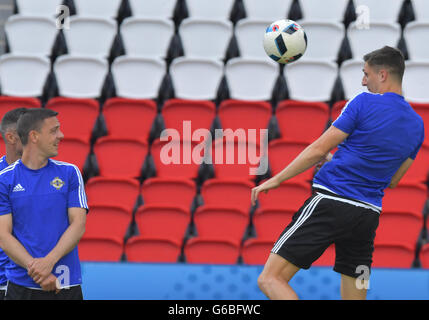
10, 119
32, 120
389, 58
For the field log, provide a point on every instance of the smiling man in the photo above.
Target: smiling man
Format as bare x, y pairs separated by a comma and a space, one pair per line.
42, 214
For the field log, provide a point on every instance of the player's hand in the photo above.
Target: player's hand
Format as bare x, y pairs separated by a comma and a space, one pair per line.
267, 185
51, 283
39, 269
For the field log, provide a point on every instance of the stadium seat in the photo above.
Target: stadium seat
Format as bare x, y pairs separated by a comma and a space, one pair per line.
111, 191
165, 221
421, 10
80, 77
153, 8
47, 8
193, 33
212, 251
15, 71
417, 40
380, 34
337, 108
263, 72
248, 33
74, 150
423, 110
230, 193
97, 8
405, 197
100, 248
43, 32
221, 222
418, 172
304, 86
392, 256
220, 9
318, 32
269, 222
414, 82
169, 191
424, 256
156, 31
129, 118
290, 115
152, 249
278, 9
381, 11
108, 220
10, 103
120, 157
327, 258
331, 10
255, 251
137, 77
72, 111
351, 78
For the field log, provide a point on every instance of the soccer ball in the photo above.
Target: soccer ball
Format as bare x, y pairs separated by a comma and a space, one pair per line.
285, 41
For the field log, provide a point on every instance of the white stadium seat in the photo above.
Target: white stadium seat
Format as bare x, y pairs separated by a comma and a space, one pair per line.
153, 8
23, 75
43, 33
416, 35
98, 8
148, 37
203, 38
326, 10
421, 10
47, 8
219, 9
311, 80
381, 10
273, 10
351, 75
80, 77
196, 78
138, 77
415, 81
251, 79
249, 34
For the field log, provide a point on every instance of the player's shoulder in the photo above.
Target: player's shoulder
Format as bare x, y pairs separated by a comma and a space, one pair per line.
9, 170
64, 166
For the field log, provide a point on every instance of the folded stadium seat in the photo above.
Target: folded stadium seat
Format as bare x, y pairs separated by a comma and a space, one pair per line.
381, 11
98, 8
281, 152
220, 9
100, 248
74, 150
424, 256
421, 10
111, 191
152, 249
393, 255
153, 8
43, 32
15, 71
417, 40
351, 78
165, 221
212, 251
414, 82
221, 222
193, 34
380, 34
10, 103
47, 8
423, 110
170, 191
108, 220
302, 83
129, 118
337, 108
270, 221
249, 34
418, 172
278, 9
72, 111
156, 31
255, 251
331, 10
90, 36
318, 31
289, 195
405, 197
230, 193
290, 116
120, 157
80, 77
263, 72
196, 78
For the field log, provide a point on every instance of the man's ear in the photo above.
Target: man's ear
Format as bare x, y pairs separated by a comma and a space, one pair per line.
33, 136
10, 137
382, 75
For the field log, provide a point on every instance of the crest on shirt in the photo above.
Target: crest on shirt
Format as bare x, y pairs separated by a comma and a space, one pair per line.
57, 183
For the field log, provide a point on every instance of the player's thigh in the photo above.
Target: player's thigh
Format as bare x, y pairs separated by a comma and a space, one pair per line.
278, 267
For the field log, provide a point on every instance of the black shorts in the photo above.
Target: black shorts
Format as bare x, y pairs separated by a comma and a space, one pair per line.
327, 218
17, 292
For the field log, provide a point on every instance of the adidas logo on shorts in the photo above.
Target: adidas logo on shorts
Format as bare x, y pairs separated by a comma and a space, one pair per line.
18, 187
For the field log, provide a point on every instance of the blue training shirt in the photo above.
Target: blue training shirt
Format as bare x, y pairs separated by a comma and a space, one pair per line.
384, 131
38, 201
4, 259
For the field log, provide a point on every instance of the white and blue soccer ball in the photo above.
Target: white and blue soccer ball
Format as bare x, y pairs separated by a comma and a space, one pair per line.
285, 41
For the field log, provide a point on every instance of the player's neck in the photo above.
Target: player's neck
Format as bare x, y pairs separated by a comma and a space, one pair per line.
11, 155
395, 88
32, 160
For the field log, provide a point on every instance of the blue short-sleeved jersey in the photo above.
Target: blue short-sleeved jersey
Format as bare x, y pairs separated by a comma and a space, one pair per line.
38, 201
384, 131
4, 259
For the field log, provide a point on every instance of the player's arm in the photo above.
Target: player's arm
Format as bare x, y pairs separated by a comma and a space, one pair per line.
400, 173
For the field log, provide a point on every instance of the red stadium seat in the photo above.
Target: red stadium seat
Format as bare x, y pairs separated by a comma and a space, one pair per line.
221, 222
424, 256
108, 220
423, 110
166, 221
393, 256
256, 251
418, 172
290, 195
9, 103
212, 251
101, 248
336, 109
73, 150
111, 191
152, 249
71, 112
405, 197
270, 222
327, 258
172, 191
302, 121
129, 118
120, 157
